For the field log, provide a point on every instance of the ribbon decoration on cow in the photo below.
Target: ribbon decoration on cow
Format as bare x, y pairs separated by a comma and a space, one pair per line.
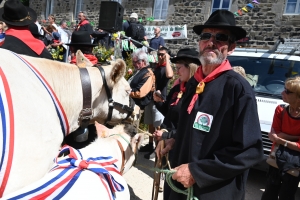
72, 166
246, 8
2, 38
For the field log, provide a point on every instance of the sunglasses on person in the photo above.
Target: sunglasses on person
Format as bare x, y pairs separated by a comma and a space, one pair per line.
161, 54
287, 91
219, 36
134, 62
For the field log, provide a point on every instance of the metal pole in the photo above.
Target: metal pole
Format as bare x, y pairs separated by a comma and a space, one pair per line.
129, 38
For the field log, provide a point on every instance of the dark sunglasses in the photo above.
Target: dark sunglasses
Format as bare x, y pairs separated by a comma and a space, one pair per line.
161, 54
219, 36
287, 91
136, 61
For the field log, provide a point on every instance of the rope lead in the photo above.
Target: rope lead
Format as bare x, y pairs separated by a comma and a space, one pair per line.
189, 192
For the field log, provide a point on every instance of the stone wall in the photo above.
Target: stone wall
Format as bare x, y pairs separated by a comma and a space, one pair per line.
264, 24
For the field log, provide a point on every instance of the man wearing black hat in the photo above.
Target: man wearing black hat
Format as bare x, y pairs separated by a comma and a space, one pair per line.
218, 138
81, 40
18, 37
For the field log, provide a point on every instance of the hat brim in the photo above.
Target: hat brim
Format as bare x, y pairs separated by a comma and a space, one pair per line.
25, 22
81, 44
175, 59
239, 32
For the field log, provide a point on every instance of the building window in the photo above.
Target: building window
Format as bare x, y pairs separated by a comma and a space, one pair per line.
160, 9
49, 8
292, 7
221, 4
78, 8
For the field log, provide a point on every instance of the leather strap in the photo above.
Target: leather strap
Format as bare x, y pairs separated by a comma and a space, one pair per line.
123, 157
86, 112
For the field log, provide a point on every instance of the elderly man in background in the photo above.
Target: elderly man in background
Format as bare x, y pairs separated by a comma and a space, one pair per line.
218, 138
84, 24
142, 82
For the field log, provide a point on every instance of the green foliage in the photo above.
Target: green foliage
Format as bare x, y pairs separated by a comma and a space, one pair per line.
57, 53
103, 55
130, 67
143, 126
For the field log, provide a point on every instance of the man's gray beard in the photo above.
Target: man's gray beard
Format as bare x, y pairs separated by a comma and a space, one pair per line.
205, 60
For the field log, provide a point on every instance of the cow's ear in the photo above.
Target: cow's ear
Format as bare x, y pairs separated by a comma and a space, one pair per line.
118, 70
102, 131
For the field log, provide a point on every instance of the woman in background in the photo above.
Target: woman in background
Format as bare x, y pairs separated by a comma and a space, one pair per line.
285, 131
187, 62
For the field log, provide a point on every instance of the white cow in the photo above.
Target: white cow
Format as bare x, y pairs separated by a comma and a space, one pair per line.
40, 102
89, 185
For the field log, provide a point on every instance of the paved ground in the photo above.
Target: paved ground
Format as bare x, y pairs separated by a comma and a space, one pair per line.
139, 179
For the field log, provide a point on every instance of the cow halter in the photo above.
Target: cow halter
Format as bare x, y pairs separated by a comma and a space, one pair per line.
111, 103
135, 152
86, 114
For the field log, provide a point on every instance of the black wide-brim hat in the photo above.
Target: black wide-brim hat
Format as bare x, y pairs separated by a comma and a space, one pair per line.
16, 14
222, 19
186, 53
81, 38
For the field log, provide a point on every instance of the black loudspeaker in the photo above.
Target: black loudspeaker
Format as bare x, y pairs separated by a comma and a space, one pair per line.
111, 16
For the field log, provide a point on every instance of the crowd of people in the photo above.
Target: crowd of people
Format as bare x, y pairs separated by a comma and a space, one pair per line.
208, 119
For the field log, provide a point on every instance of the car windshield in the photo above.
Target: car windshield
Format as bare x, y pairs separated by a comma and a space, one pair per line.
266, 75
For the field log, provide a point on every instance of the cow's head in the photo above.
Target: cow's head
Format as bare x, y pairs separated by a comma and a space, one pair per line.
115, 96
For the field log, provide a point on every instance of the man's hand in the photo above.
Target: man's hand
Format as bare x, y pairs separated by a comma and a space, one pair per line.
156, 98
183, 176
157, 135
161, 151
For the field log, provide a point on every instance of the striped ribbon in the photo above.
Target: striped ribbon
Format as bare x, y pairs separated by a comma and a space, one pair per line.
72, 166
7, 126
59, 109
7, 121
2, 38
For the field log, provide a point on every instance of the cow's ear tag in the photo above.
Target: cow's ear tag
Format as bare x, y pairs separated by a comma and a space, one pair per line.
82, 61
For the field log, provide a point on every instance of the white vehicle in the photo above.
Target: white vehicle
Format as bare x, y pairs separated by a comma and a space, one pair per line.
266, 71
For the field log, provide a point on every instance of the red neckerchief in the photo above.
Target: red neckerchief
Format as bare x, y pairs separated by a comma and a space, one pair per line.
91, 58
225, 66
179, 95
22, 33
81, 24
161, 65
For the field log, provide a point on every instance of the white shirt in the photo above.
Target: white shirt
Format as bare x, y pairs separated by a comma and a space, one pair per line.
64, 37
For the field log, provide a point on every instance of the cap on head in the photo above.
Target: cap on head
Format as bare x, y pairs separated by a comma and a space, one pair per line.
133, 15
222, 19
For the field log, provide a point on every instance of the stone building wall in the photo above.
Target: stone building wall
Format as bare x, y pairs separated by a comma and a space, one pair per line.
264, 24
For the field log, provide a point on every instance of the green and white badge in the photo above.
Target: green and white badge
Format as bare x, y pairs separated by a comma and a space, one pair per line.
203, 122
